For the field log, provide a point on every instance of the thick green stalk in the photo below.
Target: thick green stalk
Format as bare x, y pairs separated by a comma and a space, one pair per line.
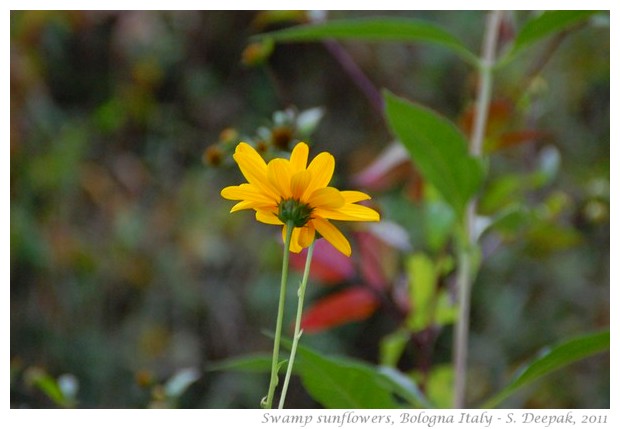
466, 272
300, 306
273, 382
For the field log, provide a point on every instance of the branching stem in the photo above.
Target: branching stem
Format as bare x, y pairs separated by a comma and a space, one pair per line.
467, 243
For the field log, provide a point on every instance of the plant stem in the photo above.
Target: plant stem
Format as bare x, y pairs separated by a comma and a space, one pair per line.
461, 329
485, 85
356, 74
466, 274
273, 382
300, 306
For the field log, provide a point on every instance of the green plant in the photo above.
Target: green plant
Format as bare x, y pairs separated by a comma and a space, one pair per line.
454, 168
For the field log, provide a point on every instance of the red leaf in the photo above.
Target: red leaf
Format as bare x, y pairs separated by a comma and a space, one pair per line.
351, 305
328, 264
500, 113
519, 137
372, 254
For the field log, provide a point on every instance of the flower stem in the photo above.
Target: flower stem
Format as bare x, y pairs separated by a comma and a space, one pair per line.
300, 305
273, 382
466, 271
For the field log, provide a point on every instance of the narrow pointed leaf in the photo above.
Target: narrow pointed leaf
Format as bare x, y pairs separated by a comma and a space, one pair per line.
437, 148
545, 25
553, 359
48, 385
249, 363
404, 386
375, 30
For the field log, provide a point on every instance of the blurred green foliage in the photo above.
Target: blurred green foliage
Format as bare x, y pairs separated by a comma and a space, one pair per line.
128, 276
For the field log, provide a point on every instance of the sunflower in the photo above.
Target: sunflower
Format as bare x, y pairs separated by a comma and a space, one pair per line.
295, 194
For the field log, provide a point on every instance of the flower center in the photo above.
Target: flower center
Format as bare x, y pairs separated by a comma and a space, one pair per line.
295, 211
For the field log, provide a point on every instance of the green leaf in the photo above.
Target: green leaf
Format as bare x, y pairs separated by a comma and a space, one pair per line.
509, 221
422, 282
48, 385
343, 383
545, 25
440, 385
392, 346
405, 387
546, 236
446, 311
438, 223
250, 363
502, 192
375, 30
552, 359
437, 148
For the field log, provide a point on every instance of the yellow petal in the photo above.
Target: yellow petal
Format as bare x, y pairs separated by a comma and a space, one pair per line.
268, 217
279, 175
243, 205
327, 198
247, 192
251, 159
350, 212
299, 183
299, 157
294, 246
322, 170
253, 168
354, 196
306, 236
333, 235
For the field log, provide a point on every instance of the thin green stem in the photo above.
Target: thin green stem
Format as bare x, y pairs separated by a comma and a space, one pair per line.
300, 306
483, 98
466, 271
273, 382
461, 329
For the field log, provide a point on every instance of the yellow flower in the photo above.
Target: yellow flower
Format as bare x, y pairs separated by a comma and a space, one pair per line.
295, 192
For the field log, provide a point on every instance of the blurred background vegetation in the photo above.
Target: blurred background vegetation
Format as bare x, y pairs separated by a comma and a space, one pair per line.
129, 276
